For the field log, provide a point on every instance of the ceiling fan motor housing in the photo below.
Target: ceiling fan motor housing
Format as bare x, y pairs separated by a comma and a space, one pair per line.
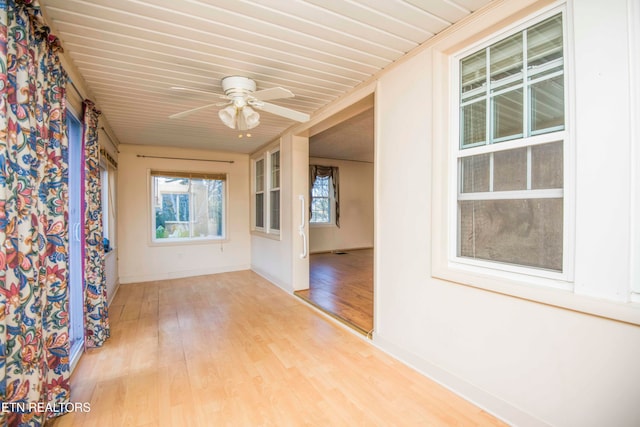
237, 85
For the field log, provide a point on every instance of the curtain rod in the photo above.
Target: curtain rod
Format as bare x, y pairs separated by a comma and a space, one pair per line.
76, 88
110, 140
343, 160
185, 158
103, 129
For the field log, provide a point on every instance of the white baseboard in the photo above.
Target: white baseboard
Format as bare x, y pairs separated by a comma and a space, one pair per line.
490, 403
272, 279
181, 274
112, 295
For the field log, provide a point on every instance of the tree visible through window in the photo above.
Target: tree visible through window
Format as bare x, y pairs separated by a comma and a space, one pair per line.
188, 206
321, 200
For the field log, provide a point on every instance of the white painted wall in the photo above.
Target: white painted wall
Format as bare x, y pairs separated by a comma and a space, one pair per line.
279, 258
139, 259
527, 362
356, 209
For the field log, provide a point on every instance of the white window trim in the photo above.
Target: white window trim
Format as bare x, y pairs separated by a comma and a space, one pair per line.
525, 274
548, 291
634, 45
504, 278
265, 231
152, 241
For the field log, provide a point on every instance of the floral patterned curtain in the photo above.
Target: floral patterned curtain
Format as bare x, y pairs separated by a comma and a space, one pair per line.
34, 329
95, 298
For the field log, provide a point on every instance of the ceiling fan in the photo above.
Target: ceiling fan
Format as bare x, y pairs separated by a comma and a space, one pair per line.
241, 99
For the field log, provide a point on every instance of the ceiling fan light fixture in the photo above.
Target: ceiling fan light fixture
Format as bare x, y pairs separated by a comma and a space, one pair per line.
228, 116
250, 116
243, 99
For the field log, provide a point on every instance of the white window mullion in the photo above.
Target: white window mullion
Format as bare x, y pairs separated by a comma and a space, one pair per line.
491, 172
488, 109
526, 108
529, 168
554, 193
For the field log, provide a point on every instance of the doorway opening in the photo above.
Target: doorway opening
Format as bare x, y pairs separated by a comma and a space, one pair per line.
341, 216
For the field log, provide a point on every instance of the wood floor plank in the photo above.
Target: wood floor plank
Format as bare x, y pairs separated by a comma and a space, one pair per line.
234, 350
342, 285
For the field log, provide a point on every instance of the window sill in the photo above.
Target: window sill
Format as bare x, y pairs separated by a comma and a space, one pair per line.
558, 294
321, 224
177, 242
272, 236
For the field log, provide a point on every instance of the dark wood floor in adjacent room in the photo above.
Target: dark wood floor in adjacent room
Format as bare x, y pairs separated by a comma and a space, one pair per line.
342, 286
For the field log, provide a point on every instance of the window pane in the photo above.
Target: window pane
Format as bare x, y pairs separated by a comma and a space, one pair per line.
320, 187
200, 219
506, 58
510, 170
524, 232
260, 175
260, 210
475, 173
169, 208
274, 206
547, 104
217, 206
183, 207
275, 170
544, 41
474, 71
188, 207
507, 114
474, 123
320, 210
547, 166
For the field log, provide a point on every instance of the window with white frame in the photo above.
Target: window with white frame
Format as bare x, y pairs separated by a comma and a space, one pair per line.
266, 192
187, 206
509, 157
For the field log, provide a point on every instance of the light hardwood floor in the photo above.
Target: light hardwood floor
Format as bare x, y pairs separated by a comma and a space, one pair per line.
342, 285
234, 350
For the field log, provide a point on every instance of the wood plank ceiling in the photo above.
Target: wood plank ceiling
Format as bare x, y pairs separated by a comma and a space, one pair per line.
131, 52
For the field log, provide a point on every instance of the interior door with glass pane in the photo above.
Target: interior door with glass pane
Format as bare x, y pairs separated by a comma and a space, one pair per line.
76, 238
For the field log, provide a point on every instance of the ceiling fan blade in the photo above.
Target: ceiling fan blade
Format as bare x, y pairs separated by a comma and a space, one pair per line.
282, 111
205, 92
272, 93
194, 110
